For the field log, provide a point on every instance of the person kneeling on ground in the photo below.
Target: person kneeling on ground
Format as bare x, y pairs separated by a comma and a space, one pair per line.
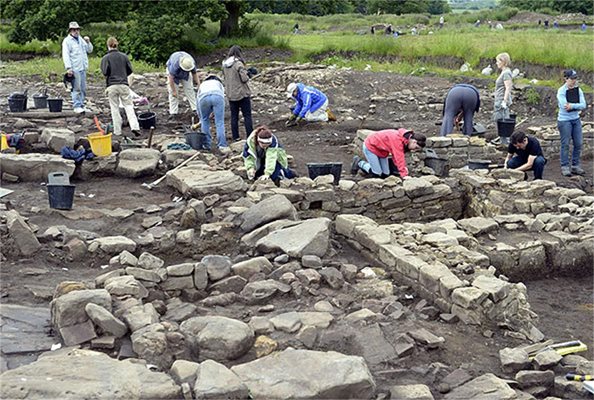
379, 145
264, 157
311, 104
525, 154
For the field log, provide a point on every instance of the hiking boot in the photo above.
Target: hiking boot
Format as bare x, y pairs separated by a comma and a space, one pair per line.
578, 170
565, 171
136, 132
355, 165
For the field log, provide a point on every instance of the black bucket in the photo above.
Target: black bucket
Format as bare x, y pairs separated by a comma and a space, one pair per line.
319, 169
147, 120
17, 102
55, 105
61, 196
479, 164
505, 127
439, 165
195, 139
40, 101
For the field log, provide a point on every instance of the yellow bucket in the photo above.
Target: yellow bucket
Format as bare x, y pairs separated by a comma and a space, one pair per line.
100, 144
3, 143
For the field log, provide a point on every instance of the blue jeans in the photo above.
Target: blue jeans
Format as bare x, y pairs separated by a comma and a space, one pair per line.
79, 89
537, 166
570, 130
279, 172
374, 164
213, 103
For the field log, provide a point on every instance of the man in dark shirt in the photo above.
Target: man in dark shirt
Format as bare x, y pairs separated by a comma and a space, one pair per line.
525, 154
116, 67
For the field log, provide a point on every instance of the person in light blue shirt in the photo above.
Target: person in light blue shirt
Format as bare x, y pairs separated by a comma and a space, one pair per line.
571, 101
76, 62
181, 68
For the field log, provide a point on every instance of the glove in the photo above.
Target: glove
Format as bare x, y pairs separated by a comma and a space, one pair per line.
292, 117
503, 105
299, 119
264, 178
251, 173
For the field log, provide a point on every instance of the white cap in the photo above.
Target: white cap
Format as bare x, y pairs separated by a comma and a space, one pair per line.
187, 63
290, 89
73, 25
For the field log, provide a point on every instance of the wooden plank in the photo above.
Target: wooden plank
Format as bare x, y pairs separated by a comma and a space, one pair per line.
42, 114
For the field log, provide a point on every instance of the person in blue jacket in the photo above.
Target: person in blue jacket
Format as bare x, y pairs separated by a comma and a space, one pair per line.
571, 101
311, 104
76, 62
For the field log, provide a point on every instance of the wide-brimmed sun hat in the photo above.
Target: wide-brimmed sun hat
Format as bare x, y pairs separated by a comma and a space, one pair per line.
187, 63
73, 25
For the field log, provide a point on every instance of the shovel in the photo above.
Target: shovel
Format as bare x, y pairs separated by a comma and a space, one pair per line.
151, 185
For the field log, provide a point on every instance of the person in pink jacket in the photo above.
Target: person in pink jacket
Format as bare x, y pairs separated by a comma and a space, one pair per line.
381, 144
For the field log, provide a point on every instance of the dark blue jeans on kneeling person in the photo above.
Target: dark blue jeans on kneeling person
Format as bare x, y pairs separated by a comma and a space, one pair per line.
537, 166
279, 172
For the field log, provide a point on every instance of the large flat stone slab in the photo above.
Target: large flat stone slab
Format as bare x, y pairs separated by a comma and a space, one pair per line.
135, 163
310, 237
198, 181
34, 167
85, 374
306, 374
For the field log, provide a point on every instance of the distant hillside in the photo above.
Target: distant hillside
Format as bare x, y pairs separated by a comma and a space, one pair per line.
472, 4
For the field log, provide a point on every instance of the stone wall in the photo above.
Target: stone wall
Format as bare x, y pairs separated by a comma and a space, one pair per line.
415, 199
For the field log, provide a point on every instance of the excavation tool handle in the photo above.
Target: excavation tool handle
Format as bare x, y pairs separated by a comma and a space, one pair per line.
579, 378
155, 183
98, 125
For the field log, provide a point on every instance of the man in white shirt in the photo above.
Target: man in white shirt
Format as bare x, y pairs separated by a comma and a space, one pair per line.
76, 62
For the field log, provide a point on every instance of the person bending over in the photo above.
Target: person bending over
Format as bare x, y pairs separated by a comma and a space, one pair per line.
462, 99
311, 104
381, 144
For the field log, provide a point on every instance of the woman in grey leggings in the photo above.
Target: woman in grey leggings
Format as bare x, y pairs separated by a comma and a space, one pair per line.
461, 99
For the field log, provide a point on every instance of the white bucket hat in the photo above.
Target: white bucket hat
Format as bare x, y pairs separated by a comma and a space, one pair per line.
290, 89
187, 63
73, 25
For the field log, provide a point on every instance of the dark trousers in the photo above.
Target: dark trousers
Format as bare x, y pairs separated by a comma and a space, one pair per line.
279, 172
537, 166
245, 105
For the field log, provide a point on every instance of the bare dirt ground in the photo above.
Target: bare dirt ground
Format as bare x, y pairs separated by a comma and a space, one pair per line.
563, 304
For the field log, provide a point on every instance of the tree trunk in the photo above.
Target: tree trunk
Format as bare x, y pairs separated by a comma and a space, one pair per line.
230, 25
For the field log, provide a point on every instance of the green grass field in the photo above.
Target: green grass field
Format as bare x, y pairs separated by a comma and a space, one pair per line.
553, 48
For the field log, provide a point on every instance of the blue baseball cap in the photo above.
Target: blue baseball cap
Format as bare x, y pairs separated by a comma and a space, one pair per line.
570, 74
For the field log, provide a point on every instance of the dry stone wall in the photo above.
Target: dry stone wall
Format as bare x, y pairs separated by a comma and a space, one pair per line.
550, 140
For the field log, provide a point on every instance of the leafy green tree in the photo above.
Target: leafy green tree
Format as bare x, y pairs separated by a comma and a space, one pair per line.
437, 7
562, 6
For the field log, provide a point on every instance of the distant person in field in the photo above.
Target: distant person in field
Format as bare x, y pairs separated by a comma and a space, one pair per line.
296, 28
388, 30
546, 24
372, 30
461, 102
238, 90
503, 87
76, 62
584, 26
571, 101
181, 68
389, 142
311, 104
477, 23
264, 158
524, 154
116, 68
441, 22
555, 24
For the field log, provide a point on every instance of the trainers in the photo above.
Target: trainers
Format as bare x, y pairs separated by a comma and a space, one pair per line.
565, 171
355, 165
86, 110
78, 110
578, 170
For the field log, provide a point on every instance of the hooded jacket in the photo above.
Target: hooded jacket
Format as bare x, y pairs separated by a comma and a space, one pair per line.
309, 99
236, 79
274, 153
390, 141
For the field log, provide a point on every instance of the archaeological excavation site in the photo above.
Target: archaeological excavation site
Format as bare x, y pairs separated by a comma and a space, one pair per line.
460, 282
